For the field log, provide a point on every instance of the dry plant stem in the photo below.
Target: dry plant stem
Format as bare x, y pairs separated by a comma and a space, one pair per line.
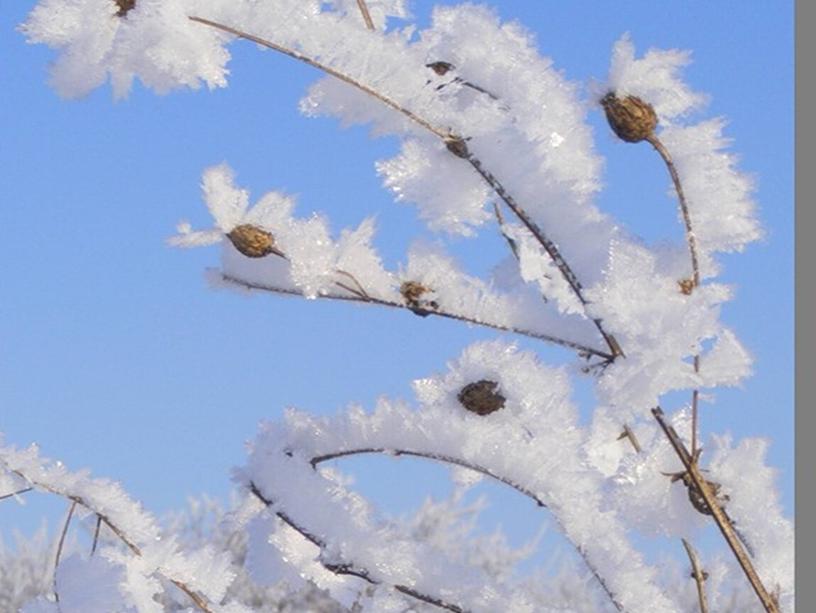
356, 297
629, 434
691, 239
315, 461
366, 15
721, 518
548, 245
510, 242
17, 493
698, 575
345, 568
97, 528
61, 544
327, 69
199, 600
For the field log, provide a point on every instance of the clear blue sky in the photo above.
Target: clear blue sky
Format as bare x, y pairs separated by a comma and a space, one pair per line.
114, 354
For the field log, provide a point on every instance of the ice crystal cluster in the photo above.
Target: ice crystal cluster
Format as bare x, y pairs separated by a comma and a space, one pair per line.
492, 139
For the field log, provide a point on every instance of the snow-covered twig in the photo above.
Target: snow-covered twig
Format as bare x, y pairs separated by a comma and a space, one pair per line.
357, 297
366, 14
698, 574
720, 516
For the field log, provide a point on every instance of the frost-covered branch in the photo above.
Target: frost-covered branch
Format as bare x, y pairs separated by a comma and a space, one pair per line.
698, 574
724, 523
355, 297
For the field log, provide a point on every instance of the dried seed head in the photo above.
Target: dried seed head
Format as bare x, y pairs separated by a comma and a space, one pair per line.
686, 286
124, 7
252, 241
695, 496
481, 397
413, 291
457, 146
632, 119
440, 68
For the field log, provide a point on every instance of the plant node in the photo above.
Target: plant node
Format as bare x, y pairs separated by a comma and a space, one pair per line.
481, 397
632, 119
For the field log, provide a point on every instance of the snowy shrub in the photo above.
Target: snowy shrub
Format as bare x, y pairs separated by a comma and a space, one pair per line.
479, 152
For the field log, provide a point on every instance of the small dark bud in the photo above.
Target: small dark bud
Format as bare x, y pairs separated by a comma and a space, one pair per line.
440, 68
124, 7
686, 286
253, 242
481, 397
632, 119
457, 146
413, 292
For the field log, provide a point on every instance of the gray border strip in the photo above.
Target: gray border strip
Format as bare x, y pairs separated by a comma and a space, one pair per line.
805, 308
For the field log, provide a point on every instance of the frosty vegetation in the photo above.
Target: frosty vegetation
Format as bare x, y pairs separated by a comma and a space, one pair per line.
493, 139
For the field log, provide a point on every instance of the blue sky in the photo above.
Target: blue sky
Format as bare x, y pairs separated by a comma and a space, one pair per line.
116, 356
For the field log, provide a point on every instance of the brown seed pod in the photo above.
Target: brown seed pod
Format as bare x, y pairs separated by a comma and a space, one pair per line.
440, 68
253, 242
124, 7
695, 496
686, 286
481, 397
413, 291
632, 119
457, 146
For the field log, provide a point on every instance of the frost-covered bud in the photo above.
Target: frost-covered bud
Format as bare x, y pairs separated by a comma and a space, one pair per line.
440, 68
481, 397
253, 242
686, 286
632, 119
124, 7
413, 292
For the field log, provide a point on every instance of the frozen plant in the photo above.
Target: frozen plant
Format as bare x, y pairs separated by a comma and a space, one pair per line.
479, 152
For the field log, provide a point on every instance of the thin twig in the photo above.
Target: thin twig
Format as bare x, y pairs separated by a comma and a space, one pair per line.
629, 434
61, 544
721, 518
315, 461
345, 568
366, 15
691, 238
355, 297
96, 534
698, 574
17, 493
511, 242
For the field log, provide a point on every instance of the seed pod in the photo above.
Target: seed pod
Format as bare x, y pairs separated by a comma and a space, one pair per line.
686, 286
695, 496
457, 146
413, 291
632, 119
124, 7
253, 242
481, 397
440, 68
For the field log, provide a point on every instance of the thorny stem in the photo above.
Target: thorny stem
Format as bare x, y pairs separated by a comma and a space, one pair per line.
356, 297
721, 518
698, 574
481, 470
345, 568
456, 145
61, 544
366, 15
199, 600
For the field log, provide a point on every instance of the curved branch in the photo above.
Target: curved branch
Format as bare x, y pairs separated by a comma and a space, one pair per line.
457, 146
346, 568
479, 469
698, 574
367, 299
200, 601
